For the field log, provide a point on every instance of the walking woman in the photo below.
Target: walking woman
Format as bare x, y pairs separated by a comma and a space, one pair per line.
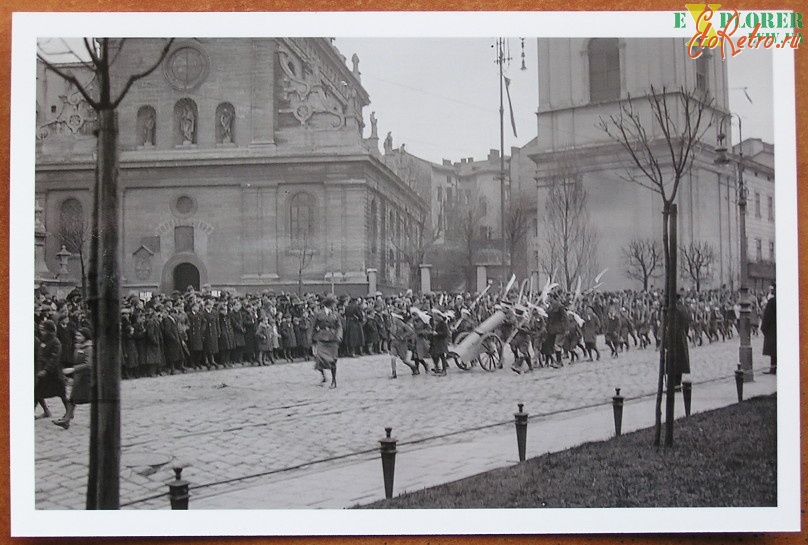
327, 334
50, 382
82, 376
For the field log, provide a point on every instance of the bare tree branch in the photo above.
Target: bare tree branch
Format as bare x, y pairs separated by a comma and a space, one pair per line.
135, 77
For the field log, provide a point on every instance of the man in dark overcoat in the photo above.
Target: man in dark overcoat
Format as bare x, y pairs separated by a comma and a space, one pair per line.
172, 342
768, 325
197, 329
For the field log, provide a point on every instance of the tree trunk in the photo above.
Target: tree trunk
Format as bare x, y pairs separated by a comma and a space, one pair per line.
103, 489
671, 366
663, 326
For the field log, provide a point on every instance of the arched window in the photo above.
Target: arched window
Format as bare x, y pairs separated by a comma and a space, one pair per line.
72, 230
301, 220
146, 126
604, 69
186, 116
373, 226
225, 123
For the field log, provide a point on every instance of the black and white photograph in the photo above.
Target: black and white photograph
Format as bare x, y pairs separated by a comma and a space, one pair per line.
315, 274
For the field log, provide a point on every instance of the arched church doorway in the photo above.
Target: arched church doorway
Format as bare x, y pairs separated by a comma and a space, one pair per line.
186, 274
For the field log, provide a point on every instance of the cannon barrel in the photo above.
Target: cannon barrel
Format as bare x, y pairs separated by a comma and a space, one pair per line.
469, 348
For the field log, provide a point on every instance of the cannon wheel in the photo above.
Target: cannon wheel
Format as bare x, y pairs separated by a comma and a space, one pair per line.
490, 352
465, 366
452, 357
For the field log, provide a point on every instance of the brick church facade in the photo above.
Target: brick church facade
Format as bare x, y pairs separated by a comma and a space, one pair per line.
243, 167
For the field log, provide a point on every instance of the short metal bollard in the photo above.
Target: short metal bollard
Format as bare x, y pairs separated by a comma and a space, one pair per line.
178, 491
520, 420
388, 450
739, 382
617, 406
687, 393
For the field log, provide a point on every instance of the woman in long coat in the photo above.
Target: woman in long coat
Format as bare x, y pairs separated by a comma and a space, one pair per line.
50, 382
82, 372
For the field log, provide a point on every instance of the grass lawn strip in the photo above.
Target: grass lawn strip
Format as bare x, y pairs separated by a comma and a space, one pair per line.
721, 458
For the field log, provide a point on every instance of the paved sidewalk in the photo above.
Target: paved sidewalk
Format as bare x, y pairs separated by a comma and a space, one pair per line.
359, 481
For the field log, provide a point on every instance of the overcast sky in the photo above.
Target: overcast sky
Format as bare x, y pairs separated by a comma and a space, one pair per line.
440, 96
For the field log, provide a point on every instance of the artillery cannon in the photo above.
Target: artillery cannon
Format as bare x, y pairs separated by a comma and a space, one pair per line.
481, 345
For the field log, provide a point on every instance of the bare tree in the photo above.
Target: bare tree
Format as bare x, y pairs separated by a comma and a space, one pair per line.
660, 135
642, 259
304, 254
468, 228
414, 243
697, 257
99, 56
517, 221
570, 241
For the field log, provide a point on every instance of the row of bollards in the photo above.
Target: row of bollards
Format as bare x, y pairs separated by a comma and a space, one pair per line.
179, 488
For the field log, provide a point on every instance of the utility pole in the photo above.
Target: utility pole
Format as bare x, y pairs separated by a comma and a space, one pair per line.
501, 60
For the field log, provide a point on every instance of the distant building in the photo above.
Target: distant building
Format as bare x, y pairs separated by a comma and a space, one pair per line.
242, 167
583, 81
758, 173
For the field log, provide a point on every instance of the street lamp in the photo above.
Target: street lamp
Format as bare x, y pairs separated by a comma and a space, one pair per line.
745, 349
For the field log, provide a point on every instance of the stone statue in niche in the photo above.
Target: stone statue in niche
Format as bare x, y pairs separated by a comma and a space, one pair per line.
374, 132
226, 124
187, 123
388, 143
148, 129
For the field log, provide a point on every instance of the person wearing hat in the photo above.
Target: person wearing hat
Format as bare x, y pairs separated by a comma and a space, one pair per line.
155, 360
50, 381
423, 331
211, 334
402, 337
326, 337
439, 343
82, 372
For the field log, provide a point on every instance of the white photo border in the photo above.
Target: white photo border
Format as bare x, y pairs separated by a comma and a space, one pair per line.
28, 521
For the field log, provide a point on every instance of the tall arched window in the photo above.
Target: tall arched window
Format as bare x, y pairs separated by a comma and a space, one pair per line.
186, 117
72, 230
146, 126
373, 226
301, 220
604, 69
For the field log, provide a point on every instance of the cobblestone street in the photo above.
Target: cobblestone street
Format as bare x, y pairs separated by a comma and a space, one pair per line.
229, 426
